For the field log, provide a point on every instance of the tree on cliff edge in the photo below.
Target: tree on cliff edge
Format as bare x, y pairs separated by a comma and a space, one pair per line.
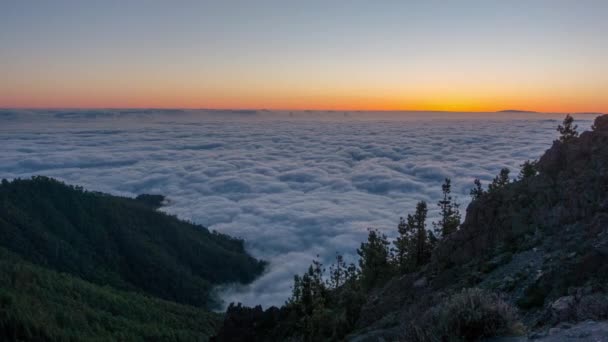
477, 191
450, 214
423, 249
528, 170
567, 130
500, 181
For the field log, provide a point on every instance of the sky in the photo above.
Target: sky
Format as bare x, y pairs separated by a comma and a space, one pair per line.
338, 55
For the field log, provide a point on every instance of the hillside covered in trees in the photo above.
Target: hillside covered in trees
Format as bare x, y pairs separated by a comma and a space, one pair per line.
73, 258
530, 257
38, 304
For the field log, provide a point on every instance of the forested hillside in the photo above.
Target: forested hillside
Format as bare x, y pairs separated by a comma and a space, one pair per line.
37, 304
120, 242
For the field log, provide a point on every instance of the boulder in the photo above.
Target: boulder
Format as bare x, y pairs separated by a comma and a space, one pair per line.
563, 308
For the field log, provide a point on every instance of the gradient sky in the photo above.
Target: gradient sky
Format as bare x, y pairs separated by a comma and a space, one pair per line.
369, 55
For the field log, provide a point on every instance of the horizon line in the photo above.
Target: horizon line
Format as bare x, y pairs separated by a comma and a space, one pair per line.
303, 110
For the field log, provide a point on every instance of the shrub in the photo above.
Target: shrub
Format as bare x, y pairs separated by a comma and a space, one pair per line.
470, 315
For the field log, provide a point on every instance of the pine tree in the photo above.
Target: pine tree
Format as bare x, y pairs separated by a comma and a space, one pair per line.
566, 130
340, 273
413, 245
310, 300
528, 169
477, 190
403, 244
309, 290
422, 245
374, 262
500, 181
450, 215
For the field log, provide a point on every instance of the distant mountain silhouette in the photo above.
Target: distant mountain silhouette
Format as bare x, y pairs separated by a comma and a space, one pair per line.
588, 113
515, 111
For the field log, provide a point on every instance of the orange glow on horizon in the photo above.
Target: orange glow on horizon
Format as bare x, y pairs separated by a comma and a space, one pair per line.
429, 93
330, 103
287, 94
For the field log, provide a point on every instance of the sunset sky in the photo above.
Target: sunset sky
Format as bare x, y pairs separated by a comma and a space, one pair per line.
350, 55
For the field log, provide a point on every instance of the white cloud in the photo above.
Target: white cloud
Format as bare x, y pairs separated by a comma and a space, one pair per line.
292, 187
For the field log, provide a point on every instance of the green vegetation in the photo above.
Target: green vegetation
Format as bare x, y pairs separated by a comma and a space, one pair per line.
500, 181
154, 201
120, 242
37, 304
374, 264
327, 309
528, 170
449, 211
413, 245
470, 315
567, 130
80, 266
477, 191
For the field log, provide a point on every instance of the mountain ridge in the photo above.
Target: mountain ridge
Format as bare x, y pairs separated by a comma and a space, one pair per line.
82, 265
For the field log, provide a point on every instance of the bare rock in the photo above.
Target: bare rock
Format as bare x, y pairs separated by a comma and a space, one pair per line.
563, 308
422, 282
594, 306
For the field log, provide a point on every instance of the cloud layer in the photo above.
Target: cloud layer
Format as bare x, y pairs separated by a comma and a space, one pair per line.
293, 185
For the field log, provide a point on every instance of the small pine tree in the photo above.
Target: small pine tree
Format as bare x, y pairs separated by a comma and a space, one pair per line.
414, 243
477, 190
528, 169
310, 301
500, 181
402, 245
340, 273
567, 130
423, 251
374, 259
309, 289
450, 214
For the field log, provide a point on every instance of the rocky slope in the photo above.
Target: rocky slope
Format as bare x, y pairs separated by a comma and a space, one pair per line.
541, 242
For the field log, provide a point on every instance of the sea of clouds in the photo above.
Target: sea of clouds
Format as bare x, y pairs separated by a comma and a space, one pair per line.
293, 185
